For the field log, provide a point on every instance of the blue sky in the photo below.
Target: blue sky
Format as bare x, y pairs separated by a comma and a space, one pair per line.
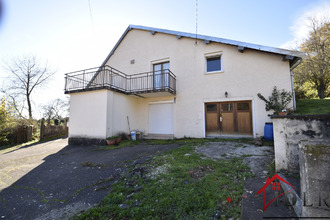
72, 35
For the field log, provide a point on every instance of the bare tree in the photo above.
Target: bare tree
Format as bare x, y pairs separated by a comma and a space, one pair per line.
60, 108
26, 74
56, 109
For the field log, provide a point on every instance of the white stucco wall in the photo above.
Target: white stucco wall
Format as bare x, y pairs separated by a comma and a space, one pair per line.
88, 114
244, 75
119, 108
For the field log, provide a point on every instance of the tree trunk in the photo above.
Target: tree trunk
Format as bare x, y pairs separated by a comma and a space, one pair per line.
29, 106
320, 92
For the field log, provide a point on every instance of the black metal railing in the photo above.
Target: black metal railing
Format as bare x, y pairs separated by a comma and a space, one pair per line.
107, 77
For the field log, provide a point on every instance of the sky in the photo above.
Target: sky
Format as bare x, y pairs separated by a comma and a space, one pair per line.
71, 35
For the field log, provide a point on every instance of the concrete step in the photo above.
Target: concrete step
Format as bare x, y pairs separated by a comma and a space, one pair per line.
158, 136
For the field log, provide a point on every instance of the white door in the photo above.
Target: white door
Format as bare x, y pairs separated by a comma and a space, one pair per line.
161, 118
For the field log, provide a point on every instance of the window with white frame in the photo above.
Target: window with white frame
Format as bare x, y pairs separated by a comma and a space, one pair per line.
213, 63
161, 75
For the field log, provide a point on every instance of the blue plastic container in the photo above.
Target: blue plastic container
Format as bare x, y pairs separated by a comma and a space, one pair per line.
268, 131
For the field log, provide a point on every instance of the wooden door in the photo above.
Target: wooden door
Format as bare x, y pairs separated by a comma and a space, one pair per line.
212, 118
244, 118
228, 118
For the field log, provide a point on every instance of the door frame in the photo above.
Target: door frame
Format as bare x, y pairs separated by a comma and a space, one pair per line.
253, 118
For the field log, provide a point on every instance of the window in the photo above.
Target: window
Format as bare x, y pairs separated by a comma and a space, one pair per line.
161, 75
211, 108
214, 62
243, 106
227, 107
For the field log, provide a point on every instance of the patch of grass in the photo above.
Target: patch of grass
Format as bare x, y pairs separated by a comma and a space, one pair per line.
313, 106
197, 141
240, 145
176, 185
268, 143
180, 141
8, 148
271, 169
123, 143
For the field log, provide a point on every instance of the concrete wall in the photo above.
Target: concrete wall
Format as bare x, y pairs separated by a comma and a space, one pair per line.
99, 114
119, 108
290, 130
88, 114
243, 76
314, 159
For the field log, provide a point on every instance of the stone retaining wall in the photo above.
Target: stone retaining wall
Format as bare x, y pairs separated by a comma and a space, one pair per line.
290, 130
314, 159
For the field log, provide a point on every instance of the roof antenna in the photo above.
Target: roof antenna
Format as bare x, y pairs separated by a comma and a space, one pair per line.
196, 20
90, 12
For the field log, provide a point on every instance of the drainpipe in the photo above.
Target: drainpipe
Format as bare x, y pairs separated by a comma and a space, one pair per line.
292, 83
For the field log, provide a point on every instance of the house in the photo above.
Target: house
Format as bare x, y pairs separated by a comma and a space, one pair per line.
175, 84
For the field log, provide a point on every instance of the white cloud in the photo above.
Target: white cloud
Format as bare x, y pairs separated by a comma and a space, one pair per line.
301, 27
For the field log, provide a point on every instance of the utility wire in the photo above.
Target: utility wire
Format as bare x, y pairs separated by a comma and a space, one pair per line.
90, 12
196, 20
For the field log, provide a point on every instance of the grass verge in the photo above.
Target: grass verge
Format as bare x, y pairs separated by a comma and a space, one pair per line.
180, 141
313, 106
178, 184
9, 148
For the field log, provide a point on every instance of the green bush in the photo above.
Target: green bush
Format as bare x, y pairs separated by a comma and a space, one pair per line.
7, 125
278, 101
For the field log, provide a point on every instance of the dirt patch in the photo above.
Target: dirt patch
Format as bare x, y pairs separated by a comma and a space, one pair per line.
256, 157
200, 171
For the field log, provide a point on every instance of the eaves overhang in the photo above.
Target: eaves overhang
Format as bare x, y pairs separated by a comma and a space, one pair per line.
292, 56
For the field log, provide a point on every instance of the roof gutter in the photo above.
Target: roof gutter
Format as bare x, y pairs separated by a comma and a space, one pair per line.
292, 83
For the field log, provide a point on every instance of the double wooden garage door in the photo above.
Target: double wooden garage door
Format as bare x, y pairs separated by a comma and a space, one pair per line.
228, 118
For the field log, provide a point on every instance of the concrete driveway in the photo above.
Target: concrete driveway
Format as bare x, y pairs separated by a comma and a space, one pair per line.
53, 180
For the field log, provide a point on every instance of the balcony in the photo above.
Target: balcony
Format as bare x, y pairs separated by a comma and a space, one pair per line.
148, 84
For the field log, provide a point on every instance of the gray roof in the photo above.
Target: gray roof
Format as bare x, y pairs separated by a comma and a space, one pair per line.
291, 55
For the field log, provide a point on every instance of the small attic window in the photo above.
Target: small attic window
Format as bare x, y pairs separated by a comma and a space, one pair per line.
213, 62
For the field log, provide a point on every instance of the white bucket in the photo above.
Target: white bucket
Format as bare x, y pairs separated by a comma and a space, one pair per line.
133, 135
